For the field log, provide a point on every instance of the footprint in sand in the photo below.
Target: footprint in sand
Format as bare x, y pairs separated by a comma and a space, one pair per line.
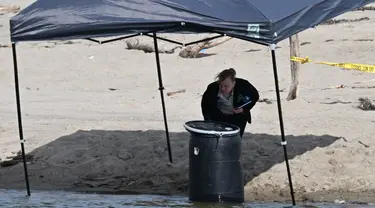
336, 166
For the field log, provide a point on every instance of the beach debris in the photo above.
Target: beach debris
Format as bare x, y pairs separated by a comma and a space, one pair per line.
191, 51
353, 87
339, 201
343, 138
338, 87
338, 21
9, 9
15, 159
253, 50
366, 104
336, 102
364, 39
280, 90
265, 100
365, 145
136, 44
68, 42
363, 87
334, 87
371, 8
305, 43
176, 92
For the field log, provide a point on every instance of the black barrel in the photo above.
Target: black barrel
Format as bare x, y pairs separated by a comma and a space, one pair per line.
215, 166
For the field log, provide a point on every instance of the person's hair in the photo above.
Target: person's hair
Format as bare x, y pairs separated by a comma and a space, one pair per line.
226, 73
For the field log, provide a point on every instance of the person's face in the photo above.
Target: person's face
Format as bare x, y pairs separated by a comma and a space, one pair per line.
226, 86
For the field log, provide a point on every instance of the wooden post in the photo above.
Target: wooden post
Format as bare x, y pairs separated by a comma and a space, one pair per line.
294, 67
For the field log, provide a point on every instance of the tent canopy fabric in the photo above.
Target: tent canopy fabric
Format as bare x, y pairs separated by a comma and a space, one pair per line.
261, 21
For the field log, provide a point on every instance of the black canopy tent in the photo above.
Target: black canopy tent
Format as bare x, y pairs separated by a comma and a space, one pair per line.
264, 22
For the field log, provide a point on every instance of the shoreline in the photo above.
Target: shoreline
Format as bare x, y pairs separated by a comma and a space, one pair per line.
331, 196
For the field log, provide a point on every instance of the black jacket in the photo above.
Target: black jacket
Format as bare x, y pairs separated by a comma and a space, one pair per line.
242, 88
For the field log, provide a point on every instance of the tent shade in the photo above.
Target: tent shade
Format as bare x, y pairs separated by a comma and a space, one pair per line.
261, 21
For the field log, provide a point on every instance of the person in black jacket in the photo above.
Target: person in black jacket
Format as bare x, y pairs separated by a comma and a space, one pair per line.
223, 99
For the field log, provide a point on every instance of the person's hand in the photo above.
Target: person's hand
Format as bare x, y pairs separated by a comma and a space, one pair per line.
237, 110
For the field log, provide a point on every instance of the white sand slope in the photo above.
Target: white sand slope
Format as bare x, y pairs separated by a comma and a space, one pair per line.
84, 136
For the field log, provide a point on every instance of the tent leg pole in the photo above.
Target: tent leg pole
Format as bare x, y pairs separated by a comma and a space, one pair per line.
274, 63
161, 88
19, 116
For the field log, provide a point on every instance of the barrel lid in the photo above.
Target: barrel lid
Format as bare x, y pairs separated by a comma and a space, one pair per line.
211, 127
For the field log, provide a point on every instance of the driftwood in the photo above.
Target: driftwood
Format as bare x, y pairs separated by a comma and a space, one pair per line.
191, 51
370, 8
136, 44
9, 9
176, 92
294, 67
338, 21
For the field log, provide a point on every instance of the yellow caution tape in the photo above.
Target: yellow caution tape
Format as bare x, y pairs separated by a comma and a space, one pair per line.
359, 67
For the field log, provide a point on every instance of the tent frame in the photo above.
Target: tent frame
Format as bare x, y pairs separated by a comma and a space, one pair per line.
161, 88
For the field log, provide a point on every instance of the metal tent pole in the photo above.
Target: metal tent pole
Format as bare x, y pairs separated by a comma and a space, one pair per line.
283, 141
161, 88
19, 116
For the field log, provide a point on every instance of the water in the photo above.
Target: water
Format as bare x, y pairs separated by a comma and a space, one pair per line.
58, 199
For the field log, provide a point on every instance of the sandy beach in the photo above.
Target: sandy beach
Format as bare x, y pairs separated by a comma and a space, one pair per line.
93, 120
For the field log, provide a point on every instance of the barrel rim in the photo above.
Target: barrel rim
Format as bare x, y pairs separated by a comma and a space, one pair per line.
212, 132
